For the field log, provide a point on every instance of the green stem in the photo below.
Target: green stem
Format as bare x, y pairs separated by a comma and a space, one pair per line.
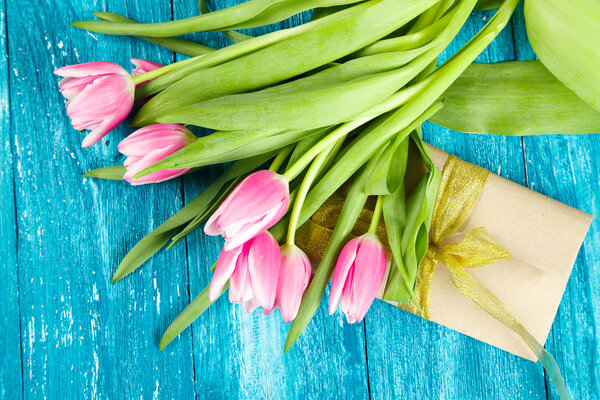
306, 184
376, 215
281, 158
163, 70
327, 141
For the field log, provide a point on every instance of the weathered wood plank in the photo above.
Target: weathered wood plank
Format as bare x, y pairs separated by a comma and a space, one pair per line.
11, 385
410, 357
567, 168
240, 356
83, 338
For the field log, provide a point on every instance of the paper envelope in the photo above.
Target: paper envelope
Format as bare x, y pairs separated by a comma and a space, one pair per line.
542, 235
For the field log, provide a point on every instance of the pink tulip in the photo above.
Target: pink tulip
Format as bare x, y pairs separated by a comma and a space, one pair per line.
255, 205
143, 66
253, 272
358, 275
151, 144
294, 277
100, 97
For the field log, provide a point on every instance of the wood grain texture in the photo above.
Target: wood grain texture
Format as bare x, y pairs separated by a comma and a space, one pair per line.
82, 338
67, 333
11, 381
567, 168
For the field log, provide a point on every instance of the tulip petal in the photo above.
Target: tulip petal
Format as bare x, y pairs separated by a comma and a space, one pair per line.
225, 266
240, 285
294, 277
142, 66
341, 272
90, 68
264, 261
155, 136
249, 305
106, 95
150, 158
369, 271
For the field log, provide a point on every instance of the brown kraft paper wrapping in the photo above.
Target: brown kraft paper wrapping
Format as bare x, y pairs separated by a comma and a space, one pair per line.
542, 235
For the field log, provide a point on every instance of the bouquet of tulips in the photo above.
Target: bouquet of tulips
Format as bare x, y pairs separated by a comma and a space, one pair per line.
299, 113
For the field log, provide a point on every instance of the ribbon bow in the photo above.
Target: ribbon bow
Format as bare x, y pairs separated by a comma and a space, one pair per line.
460, 187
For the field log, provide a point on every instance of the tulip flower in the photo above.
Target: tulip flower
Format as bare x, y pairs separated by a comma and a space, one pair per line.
253, 272
255, 205
100, 97
151, 144
357, 277
294, 277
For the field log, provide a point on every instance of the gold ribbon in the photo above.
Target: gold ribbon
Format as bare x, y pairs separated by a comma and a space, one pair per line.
460, 187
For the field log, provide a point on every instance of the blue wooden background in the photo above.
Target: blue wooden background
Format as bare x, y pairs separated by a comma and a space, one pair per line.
66, 333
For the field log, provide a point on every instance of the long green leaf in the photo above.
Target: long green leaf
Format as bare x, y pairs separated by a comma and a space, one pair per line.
249, 14
200, 157
564, 34
345, 33
113, 173
332, 96
187, 316
514, 98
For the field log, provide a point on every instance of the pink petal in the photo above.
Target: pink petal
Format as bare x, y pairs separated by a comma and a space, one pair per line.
264, 261
256, 204
249, 305
155, 136
294, 277
105, 96
143, 66
225, 267
90, 68
340, 273
260, 193
71, 87
240, 285
107, 125
369, 271
149, 159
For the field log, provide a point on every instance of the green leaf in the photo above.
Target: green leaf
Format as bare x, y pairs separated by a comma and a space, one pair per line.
332, 96
249, 14
236, 37
346, 32
188, 315
177, 45
398, 287
564, 35
388, 174
114, 173
514, 98
197, 156
488, 4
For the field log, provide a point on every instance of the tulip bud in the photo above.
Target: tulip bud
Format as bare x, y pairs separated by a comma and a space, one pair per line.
357, 277
294, 277
253, 271
150, 144
100, 97
255, 205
